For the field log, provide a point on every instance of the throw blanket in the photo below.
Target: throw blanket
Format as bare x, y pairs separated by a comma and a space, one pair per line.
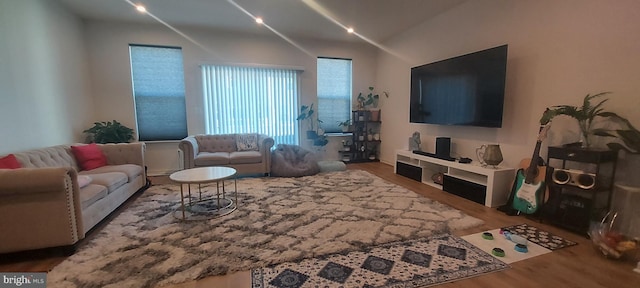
293, 161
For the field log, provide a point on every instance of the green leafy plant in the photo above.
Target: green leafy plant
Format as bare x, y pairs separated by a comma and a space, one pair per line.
345, 123
372, 99
321, 140
307, 113
109, 132
313, 122
629, 135
587, 113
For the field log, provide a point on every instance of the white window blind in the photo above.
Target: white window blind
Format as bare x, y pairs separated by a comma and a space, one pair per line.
334, 92
158, 91
251, 100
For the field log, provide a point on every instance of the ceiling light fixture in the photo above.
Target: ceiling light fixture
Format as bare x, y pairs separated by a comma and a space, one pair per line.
350, 30
141, 8
259, 20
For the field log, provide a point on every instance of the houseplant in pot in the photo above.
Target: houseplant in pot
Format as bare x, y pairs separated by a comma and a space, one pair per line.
345, 125
307, 113
109, 132
586, 114
371, 102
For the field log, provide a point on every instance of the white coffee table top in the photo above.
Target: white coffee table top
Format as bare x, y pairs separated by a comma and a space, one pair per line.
202, 174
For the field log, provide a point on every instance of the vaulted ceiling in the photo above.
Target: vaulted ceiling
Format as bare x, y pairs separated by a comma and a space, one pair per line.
377, 20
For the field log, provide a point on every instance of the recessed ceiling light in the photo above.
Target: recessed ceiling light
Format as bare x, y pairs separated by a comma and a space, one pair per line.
141, 8
350, 30
259, 20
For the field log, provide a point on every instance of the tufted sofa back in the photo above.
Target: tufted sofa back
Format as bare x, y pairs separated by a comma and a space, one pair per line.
54, 156
217, 143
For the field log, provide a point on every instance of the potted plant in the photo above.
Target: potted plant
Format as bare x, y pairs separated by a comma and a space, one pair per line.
109, 132
345, 125
587, 113
307, 113
371, 100
629, 135
320, 140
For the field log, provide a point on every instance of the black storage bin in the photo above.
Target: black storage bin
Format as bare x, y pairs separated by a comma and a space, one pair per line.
465, 189
409, 171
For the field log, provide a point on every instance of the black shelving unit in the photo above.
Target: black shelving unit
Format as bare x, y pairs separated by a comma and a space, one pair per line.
580, 185
363, 147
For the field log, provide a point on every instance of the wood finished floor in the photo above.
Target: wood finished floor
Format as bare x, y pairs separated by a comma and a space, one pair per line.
576, 266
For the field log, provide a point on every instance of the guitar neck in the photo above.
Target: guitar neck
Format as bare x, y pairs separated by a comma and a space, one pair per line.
533, 166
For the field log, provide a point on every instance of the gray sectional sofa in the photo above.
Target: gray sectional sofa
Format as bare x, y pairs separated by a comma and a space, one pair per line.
42, 204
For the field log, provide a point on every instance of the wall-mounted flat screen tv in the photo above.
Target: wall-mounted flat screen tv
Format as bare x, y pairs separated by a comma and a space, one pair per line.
465, 90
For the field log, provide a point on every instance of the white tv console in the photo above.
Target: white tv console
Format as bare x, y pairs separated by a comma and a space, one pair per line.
495, 181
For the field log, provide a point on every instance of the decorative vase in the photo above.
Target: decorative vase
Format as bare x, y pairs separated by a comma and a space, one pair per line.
369, 137
376, 136
489, 155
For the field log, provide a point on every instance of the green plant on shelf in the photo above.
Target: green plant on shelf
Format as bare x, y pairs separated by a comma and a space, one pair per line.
587, 113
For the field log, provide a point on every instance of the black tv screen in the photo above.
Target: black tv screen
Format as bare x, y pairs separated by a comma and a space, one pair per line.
465, 90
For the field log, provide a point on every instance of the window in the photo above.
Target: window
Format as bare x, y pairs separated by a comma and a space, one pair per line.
334, 92
158, 91
251, 100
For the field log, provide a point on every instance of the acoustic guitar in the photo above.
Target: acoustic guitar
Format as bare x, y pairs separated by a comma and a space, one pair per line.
529, 186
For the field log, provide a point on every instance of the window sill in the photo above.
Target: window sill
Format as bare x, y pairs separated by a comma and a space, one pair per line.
338, 134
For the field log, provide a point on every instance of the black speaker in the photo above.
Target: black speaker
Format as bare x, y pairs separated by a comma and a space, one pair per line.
573, 213
443, 146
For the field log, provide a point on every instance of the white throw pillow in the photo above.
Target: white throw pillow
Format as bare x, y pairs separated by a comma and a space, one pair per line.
83, 180
247, 142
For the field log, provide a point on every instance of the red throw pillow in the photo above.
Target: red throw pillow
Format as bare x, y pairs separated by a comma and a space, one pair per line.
9, 162
89, 156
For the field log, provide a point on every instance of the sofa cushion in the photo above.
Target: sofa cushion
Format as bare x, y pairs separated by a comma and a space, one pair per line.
247, 142
245, 157
9, 162
89, 156
211, 158
111, 180
131, 170
91, 193
216, 143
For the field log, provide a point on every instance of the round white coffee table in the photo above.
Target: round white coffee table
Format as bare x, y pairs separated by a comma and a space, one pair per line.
204, 175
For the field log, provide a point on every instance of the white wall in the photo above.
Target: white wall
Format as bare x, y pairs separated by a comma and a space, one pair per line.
107, 43
43, 83
558, 52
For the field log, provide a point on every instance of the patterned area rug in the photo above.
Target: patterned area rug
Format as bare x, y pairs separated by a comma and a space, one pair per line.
414, 263
540, 237
277, 220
